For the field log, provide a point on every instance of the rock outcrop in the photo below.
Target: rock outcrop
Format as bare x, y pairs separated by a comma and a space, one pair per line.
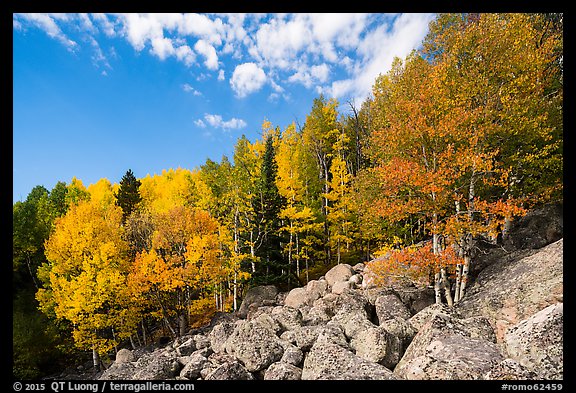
508, 326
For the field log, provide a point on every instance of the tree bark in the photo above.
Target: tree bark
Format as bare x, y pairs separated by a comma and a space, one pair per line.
95, 359
446, 286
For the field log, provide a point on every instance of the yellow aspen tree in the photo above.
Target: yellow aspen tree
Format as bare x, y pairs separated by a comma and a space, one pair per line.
85, 277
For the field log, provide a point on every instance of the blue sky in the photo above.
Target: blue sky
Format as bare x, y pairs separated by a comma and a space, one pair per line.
97, 94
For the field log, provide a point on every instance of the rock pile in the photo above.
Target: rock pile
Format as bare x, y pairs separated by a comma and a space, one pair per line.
509, 326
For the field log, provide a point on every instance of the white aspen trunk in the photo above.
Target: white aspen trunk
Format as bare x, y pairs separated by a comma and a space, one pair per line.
465, 270
182, 325
437, 293
297, 257
114, 338
144, 333
235, 300
458, 283
290, 253
446, 286
252, 252
221, 298
95, 359
132, 342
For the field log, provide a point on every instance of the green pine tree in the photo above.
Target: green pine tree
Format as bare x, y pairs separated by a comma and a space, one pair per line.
128, 196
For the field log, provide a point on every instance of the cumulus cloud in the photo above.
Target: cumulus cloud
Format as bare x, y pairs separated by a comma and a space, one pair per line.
337, 54
216, 121
189, 89
247, 78
209, 53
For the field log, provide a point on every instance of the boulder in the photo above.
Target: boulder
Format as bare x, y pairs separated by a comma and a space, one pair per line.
400, 328
119, 371
288, 318
201, 341
444, 348
353, 301
537, 342
352, 323
193, 367
321, 312
256, 296
317, 288
341, 286
230, 371
187, 347
124, 356
155, 366
515, 289
331, 361
220, 334
283, 372
426, 314
298, 297
338, 273
255, 344
375, 344
415, 298
509, 369
390, 306
293, 355
536, 229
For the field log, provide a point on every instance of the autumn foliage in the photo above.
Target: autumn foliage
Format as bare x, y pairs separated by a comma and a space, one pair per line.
456, 140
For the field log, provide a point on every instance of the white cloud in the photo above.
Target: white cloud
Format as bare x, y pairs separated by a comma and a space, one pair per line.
162, 47
208, 51
247, 78
403, 36
312, 75
217, 122
200, 123
105, 23
47, 23
189, 89
337, 54
185, 54
202, 26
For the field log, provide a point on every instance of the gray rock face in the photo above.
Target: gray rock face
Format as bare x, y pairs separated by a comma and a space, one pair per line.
293, 355
537, 342
193, 367
426, 314
283, 372
220, 334
331, 361
119, 371
390, 306
230, 371
339, 273
288, 318
444, 348
513, 290
150, 367
375, 344
257, 296
124, 356
255, 345
509, 369
537, 228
